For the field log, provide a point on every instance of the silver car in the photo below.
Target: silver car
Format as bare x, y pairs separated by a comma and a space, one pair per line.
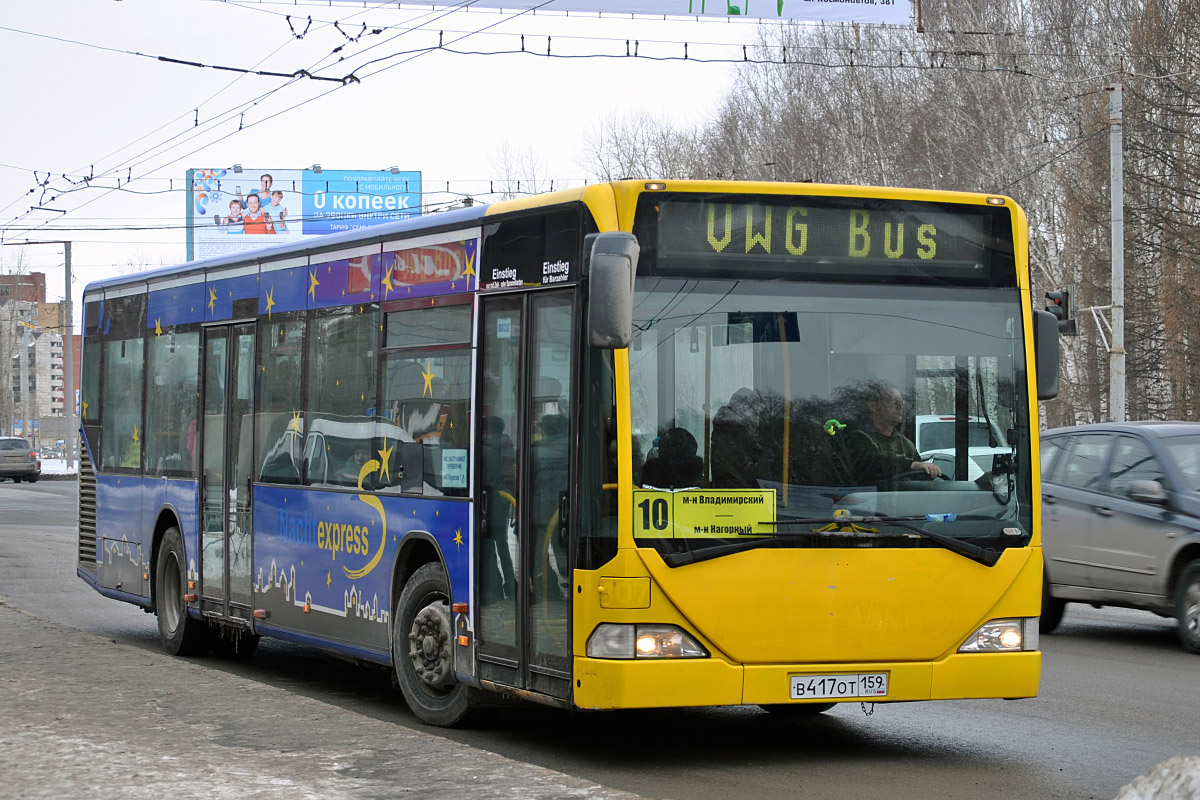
18, 460
1121, 520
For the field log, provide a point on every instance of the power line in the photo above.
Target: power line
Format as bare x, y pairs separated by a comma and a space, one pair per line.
241, 126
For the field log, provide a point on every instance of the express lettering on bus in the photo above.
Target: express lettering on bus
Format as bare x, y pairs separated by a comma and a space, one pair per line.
339, 537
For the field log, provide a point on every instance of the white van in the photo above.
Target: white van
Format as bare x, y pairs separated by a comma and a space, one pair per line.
935, 436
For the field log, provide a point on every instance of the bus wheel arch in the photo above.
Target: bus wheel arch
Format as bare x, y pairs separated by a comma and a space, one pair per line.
423, 636
416, 549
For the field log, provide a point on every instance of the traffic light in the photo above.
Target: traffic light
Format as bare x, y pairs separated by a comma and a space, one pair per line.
1060, 307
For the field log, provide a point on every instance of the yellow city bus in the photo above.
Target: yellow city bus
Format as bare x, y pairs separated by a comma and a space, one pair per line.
639, 444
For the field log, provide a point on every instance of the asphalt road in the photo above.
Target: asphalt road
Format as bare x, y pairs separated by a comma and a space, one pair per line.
1118, 696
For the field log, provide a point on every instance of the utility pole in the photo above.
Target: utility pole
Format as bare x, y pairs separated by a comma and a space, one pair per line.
26, 430
69, 365
1116, 358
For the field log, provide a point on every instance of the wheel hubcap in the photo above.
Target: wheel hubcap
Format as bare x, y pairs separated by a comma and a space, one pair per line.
429, 645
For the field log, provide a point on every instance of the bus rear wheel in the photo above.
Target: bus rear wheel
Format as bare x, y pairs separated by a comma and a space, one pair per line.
423, 649
180, 634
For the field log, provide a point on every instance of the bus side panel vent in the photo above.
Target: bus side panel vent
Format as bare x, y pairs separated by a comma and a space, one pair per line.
87, 512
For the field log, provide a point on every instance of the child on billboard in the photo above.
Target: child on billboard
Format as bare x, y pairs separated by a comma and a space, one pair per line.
277, 210
233, 222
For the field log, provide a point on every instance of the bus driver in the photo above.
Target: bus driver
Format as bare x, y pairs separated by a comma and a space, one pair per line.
879, 452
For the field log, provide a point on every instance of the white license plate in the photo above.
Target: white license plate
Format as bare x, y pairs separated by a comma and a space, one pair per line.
863, 684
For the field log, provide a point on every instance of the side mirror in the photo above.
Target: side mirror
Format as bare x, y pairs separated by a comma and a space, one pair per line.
1046, 354
611, 270
1148, 492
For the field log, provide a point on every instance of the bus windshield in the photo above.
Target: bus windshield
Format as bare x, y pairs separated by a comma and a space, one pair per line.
776, 389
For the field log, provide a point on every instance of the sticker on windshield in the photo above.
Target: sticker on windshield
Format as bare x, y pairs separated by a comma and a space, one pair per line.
703, 513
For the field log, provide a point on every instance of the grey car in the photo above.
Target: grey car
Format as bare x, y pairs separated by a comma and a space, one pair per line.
1121, 520
18, 460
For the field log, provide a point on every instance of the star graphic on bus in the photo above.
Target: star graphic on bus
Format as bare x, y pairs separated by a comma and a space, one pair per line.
428, 376
212, 300
313, 283
270, 301
295, 424
458, 540
388, 286
158, 326
384, 455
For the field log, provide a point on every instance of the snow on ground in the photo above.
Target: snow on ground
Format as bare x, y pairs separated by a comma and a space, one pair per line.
57, 466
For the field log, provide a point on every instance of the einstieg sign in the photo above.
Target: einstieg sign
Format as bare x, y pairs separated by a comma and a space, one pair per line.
233, 211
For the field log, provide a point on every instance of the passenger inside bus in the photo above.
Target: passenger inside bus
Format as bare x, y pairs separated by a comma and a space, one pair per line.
549, 463
674, 464
737, 441
353, 468
498, 475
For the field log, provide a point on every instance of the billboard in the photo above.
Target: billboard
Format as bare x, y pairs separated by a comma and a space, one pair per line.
231, 211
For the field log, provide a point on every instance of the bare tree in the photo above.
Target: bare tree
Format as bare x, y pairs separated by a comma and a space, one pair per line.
998, 96
523, 171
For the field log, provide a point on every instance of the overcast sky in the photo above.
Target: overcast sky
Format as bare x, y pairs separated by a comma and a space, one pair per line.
79, 102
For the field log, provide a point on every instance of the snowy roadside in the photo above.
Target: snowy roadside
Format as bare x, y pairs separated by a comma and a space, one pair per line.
57, 469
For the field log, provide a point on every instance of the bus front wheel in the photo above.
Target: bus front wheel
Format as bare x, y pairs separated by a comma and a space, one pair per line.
423, 649
180, 634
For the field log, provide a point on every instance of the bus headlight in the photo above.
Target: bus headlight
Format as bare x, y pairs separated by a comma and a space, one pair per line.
611, 640
1003, 635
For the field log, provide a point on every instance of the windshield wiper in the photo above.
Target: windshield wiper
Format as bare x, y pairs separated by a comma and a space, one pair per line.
982, 555
694, 556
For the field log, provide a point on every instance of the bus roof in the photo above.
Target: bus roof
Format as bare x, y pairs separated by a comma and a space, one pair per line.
474, 215
364, 236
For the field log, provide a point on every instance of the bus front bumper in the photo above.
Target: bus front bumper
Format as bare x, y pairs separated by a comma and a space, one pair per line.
646, 683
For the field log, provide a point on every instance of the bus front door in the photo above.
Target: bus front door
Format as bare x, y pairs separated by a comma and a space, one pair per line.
523, 573
226, 455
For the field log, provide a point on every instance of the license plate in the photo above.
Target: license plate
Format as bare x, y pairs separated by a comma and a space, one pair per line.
863, 684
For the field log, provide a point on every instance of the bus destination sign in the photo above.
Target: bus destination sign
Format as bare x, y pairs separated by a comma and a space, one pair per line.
813, 230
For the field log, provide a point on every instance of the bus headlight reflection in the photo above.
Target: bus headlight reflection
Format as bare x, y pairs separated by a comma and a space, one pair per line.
611, 640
